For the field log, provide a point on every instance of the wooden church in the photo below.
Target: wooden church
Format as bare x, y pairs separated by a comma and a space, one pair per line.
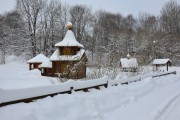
129, 64
69, 58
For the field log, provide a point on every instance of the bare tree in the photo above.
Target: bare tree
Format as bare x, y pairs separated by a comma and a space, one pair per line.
2, 48
110, 36
170, 26
12, 34
81, 19
170, 17
129, 24
30, 10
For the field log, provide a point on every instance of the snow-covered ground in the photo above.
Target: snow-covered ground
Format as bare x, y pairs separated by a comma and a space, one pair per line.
150, 99
16, 75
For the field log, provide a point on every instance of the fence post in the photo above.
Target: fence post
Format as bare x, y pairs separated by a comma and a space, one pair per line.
71, 90
106, 85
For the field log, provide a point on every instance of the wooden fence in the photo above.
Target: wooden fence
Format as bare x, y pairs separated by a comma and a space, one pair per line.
8, 97
174, 72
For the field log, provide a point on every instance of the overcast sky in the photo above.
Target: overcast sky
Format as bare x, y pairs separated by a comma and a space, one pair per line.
124, 7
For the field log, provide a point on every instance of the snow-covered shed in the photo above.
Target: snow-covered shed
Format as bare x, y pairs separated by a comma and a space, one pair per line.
129, 64
161, 62
35, 62
46, 68
68, 53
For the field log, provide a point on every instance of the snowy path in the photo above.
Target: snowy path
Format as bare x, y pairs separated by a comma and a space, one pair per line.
170, 111
142, 106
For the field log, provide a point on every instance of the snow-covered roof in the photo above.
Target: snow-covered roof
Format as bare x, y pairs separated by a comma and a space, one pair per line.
56, 56
69, 40
38, 59
161, 61
46, 64
127, 63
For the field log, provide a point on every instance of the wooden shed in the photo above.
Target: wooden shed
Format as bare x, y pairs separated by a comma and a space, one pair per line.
129, 64
35, 62
69, 58
46, 68
160, 63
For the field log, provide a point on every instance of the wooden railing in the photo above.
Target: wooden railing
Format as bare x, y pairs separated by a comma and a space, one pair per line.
167, 73
139, 78
8, 97
11, 96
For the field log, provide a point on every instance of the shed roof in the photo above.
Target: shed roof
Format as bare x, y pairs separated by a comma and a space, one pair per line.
46, 64
69, 40
161, 61
129, 63
56, 56
38, 59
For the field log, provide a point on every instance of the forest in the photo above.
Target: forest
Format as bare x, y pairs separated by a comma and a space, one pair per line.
34, 27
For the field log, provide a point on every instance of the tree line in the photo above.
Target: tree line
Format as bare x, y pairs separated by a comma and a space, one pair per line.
36, 25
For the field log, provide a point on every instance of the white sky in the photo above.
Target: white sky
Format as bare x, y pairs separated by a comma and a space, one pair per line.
124, 7
6, 5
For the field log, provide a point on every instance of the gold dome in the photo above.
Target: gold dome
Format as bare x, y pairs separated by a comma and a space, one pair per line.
69, 25
128, 55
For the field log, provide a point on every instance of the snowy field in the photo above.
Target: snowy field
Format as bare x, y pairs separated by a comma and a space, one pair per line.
149, 99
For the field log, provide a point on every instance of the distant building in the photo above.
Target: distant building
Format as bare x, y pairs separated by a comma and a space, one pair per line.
35, 62
161, 62
129, 64
69, 58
